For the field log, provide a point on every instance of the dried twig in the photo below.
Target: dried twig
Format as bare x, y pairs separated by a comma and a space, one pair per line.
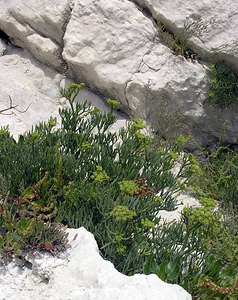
13, 107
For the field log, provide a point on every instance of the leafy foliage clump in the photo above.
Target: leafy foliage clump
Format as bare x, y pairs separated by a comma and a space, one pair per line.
26, 225
223, 90
114, 184
219, 175
191, 253
81, 174
217, 186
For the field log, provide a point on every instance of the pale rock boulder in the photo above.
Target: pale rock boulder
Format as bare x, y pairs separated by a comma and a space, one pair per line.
81, 273
30, 87
35, 91
163, 76
113, 46
218, 40
105, 43
38, 26
169, 86
183, 201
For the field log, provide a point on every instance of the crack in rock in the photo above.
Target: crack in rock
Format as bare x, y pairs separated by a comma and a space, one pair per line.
148, 52
66, 20
142, 62
26, 23
148, 12
125, 92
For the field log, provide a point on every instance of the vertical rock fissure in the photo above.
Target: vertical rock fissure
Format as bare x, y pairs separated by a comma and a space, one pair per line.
66, 20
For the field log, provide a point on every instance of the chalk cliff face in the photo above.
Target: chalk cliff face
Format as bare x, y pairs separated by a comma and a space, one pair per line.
116, 49
81, 274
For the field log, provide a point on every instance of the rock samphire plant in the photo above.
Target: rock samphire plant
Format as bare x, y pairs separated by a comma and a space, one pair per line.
82, 174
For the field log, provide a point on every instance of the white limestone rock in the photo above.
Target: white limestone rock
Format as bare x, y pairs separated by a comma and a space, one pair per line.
163, 76
81, 273
183, 87
114, 48
105, 42
37, 26
29, 86
32, 85
183, 201
219, 41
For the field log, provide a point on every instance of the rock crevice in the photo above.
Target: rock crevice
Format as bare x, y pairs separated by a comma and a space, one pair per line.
220, 39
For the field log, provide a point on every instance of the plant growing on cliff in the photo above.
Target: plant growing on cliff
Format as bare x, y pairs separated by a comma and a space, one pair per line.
218, 180
81, 174
219, 175
179, 42
188, 253
223, 91
113, 184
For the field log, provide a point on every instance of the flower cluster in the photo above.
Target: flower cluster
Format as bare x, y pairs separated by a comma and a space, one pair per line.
143, 188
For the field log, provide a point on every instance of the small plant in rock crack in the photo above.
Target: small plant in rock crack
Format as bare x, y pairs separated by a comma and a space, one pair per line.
223, 91
179, 43
173, 41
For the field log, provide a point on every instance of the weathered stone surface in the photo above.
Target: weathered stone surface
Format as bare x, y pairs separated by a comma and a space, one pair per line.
219, 41
23, 79
81, 273
113, 46
105, 43
38, 26
32, 85
170, 86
